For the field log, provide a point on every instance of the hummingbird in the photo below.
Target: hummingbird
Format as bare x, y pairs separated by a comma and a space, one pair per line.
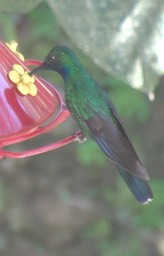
98, 119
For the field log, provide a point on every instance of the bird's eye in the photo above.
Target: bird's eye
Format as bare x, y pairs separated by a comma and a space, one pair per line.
51, 59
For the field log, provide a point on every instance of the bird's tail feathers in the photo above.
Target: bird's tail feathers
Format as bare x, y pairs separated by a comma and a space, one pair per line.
140, 188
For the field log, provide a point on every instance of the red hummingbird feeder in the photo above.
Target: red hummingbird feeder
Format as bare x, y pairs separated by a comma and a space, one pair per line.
23, 113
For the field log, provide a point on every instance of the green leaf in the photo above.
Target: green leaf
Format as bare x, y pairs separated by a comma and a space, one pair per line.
18, 6
88, 153
130, 103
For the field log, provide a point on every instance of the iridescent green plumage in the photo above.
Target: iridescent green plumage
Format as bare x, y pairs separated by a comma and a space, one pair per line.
98, 119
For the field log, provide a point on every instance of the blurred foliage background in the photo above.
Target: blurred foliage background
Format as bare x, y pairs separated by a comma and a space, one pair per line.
71, 201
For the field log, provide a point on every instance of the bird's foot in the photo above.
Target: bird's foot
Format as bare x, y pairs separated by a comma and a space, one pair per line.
80, 138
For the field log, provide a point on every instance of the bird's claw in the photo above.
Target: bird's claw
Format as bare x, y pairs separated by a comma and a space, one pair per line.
80, 138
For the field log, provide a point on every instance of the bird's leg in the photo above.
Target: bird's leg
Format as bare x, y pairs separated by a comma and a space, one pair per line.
80, 138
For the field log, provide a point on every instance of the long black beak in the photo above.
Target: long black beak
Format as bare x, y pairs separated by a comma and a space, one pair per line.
37, 69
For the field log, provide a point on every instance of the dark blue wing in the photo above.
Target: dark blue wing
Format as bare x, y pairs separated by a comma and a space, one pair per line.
112, 139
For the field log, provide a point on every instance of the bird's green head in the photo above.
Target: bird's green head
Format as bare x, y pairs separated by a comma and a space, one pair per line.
60, 59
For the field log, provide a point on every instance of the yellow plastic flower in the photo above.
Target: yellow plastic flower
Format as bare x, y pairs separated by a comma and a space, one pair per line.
13, 47
24, 82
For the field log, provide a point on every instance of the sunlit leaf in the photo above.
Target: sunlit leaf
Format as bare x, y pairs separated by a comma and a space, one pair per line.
124, 38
